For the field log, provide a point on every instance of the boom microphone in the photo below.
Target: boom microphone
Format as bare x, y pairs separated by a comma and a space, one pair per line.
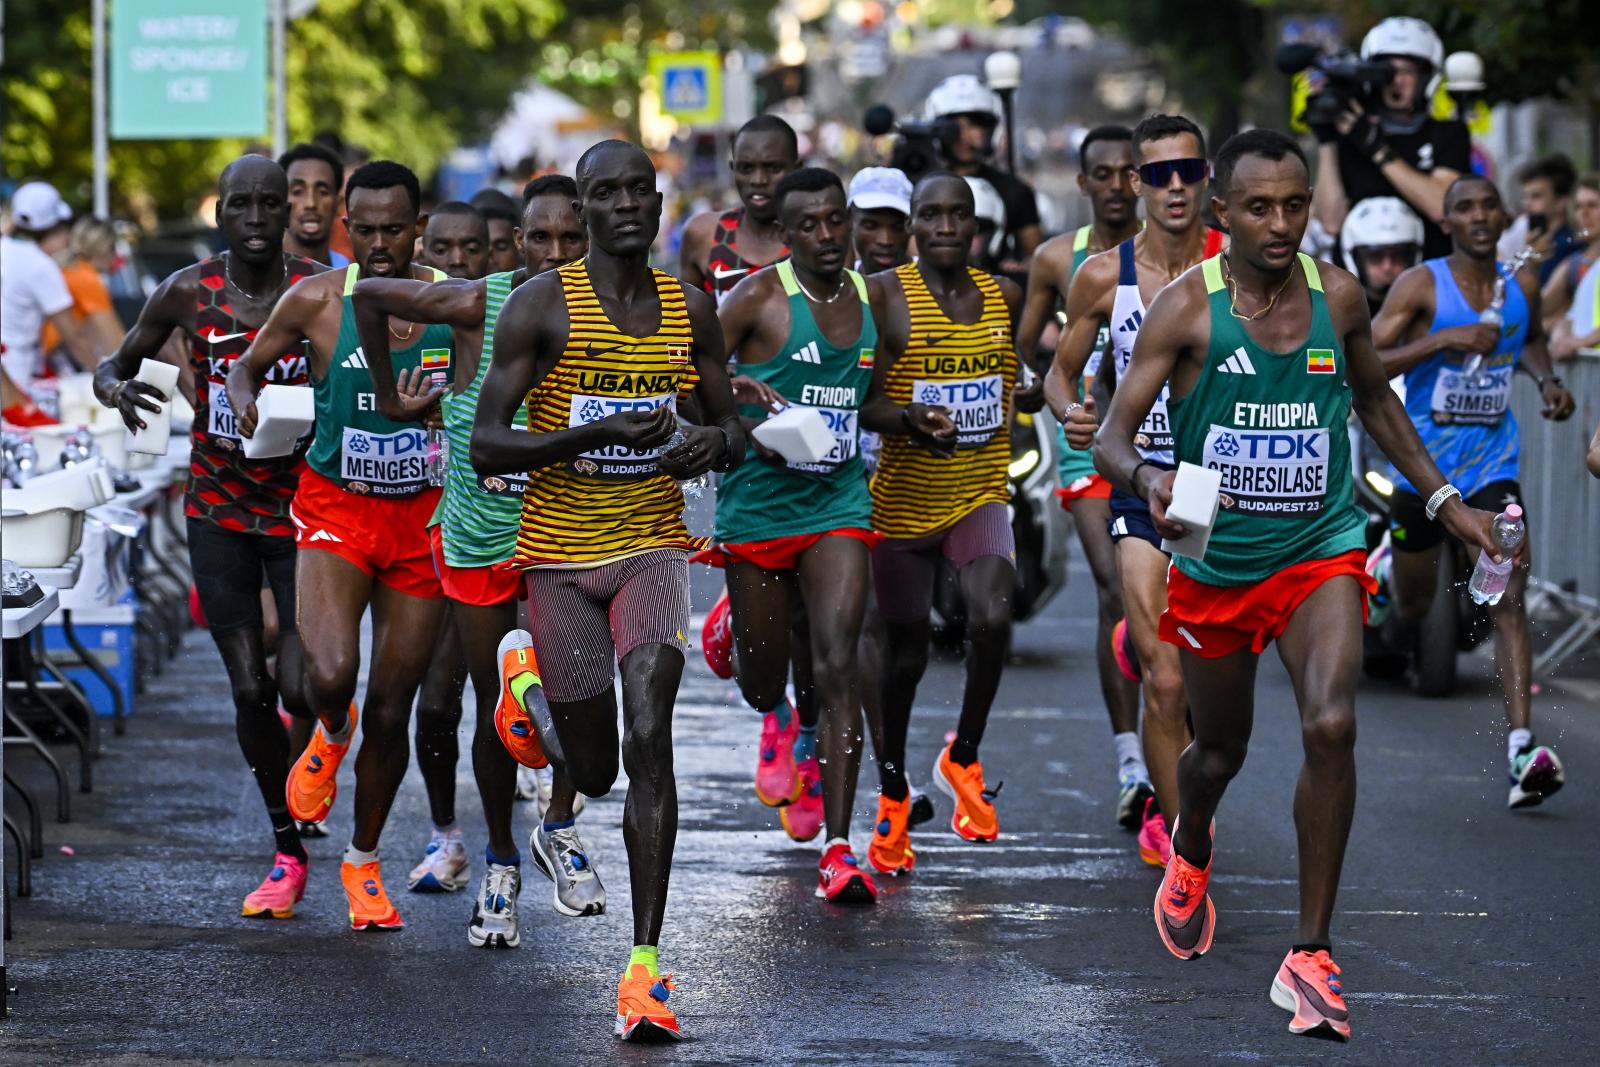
878, 120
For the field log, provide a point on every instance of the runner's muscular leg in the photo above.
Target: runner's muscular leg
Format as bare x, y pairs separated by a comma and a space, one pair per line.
760, 600
1166, 728
800, 664
262, 738
869, 668
331, 595
478, 631
833, 579
1321, 648
439, 720
1090, 515
650, 677
905, 660
400, 624
987, 584
1224, 712
1416, 576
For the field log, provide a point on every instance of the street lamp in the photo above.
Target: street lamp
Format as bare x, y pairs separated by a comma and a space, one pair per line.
1003, 72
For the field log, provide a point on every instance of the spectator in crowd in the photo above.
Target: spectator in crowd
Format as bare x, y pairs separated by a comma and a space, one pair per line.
1571, 298
1400, 150
88, 259
1543, 225
33, 291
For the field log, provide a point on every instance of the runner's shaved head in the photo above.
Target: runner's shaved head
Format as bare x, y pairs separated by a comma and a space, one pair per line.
252, 168
606, 151
936, 181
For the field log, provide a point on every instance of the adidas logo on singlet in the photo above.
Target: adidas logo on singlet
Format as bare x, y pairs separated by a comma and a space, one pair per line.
356, 360
1131, 324
809, 354
1238, 363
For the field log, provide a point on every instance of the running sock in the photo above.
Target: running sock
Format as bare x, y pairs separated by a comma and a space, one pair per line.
783, 713
963, 753
805, 745
520, 684
564, 824
514, 860
830, 842
892, 782
341, 736
355, 857
450, 829
1516, 741
285, 834
1314, 946
1130, 757
649, 955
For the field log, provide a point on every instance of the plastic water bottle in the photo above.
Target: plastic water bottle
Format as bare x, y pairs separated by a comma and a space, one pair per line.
1489, 579
438, 456
693, 488
78, 447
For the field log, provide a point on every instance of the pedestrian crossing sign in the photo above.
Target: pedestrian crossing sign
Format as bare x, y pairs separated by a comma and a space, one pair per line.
690, 84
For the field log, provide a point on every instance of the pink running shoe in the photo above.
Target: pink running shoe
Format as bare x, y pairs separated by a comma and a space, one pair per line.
1122, 649
803, 819
1155, 844
777, 777
282, 889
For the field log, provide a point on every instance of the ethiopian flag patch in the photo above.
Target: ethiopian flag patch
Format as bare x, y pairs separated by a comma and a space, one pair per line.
864, 360
1319, 361
435, 359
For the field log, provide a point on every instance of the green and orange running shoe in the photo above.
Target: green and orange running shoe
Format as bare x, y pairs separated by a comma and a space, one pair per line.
519, 681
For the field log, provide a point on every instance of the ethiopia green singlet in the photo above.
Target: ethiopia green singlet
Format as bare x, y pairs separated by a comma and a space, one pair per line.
763, 500
480, 515
1072, 464
355, 446
1274, 424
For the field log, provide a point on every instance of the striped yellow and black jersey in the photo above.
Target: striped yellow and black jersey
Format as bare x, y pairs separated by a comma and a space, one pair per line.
610, 502
969, 370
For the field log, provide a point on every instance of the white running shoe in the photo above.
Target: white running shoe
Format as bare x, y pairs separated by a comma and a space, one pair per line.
561, 857
494, 913
545, 779
445, 867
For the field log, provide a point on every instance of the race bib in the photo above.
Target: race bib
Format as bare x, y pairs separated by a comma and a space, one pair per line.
614, 462
845, 425
220, 421
1155, 432
384, 464
978, 405
1270, 472
1480, 400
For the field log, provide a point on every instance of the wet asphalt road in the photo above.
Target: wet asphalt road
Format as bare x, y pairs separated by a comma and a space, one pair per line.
1463, 930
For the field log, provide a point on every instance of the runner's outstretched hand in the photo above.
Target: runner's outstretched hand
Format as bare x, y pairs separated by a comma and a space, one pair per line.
1158, 490
132, 395
416, 400
1081, 423
1558, 402
1475, 529
932, 427
638, 430
702, 446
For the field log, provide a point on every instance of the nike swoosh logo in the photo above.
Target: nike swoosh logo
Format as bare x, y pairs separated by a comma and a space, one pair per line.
217, 339
932, 340
718, 272
595, 353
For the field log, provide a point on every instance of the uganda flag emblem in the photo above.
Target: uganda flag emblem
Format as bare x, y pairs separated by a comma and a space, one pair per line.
678, 355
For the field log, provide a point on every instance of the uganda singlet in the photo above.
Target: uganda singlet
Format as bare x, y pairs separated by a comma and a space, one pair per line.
725, 268
611, 502
1467, 423
479, 515
225, 488
760, 501
1274, 424
969, 369
355, 446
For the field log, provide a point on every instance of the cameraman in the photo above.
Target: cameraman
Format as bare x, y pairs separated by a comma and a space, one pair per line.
1400, 150
972, 112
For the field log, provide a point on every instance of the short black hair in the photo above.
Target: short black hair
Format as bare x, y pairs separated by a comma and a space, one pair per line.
586, 162
1159, 127
386, 174
804, 180
940, 175
455, 207
1466, 179
1557, 169
1268, 144
320, 153
491, 203
1110, 132
550, 185
768, 124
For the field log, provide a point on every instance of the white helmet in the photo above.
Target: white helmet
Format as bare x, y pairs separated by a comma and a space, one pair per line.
962, 94
1377, 222
986, 204
1402, 35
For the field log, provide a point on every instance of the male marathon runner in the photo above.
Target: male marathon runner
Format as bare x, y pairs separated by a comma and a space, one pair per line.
880, 204
500, 212
801, 531
237, 509
604, 346
946, 368
316, 175
1381, 240
1105, 175
456, 241
473, 542
1428, 329
720, 250
361, 513
1113, 289
1265, 351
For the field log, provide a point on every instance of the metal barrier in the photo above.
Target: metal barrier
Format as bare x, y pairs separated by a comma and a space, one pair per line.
1563, 504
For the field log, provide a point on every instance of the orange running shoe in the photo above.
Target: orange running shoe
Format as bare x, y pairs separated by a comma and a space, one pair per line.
1307, 984
890, 851
973, 817
1185, 916
313, 780
519, 676
642, 1012
369, 904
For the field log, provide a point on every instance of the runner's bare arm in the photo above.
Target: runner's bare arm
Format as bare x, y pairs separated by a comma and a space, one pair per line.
742, 321
1594, 454
930, 426
1384, 416
170, 307
288, 325
1085, 315
720, 442
456, 303
1043, 294
1400, 332
696, 241
1558, 402
1028, 394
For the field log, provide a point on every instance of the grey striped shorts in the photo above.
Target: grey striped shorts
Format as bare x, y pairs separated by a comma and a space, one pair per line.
584, 621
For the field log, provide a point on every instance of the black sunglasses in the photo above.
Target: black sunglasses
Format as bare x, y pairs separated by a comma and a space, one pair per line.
1189, 171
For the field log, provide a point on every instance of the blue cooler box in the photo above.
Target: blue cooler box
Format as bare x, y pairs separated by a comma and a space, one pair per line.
107, 634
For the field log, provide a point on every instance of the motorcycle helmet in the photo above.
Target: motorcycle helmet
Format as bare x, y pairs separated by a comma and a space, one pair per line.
962, 94
1378, 222
988, 207
1402, 35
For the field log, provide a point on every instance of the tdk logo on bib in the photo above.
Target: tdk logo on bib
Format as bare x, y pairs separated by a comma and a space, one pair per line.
384, 463
1273, 472
977, 405
615, 462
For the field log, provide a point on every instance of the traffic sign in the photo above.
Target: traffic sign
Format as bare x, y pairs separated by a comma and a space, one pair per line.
188, 68
690, 84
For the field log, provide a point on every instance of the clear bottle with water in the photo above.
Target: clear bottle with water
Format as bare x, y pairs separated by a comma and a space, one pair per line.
78, 447
693, 488
1489, 579
438, 445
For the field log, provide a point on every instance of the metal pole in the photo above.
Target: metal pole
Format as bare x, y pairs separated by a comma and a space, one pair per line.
280, 105
1007, 107
102, 152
